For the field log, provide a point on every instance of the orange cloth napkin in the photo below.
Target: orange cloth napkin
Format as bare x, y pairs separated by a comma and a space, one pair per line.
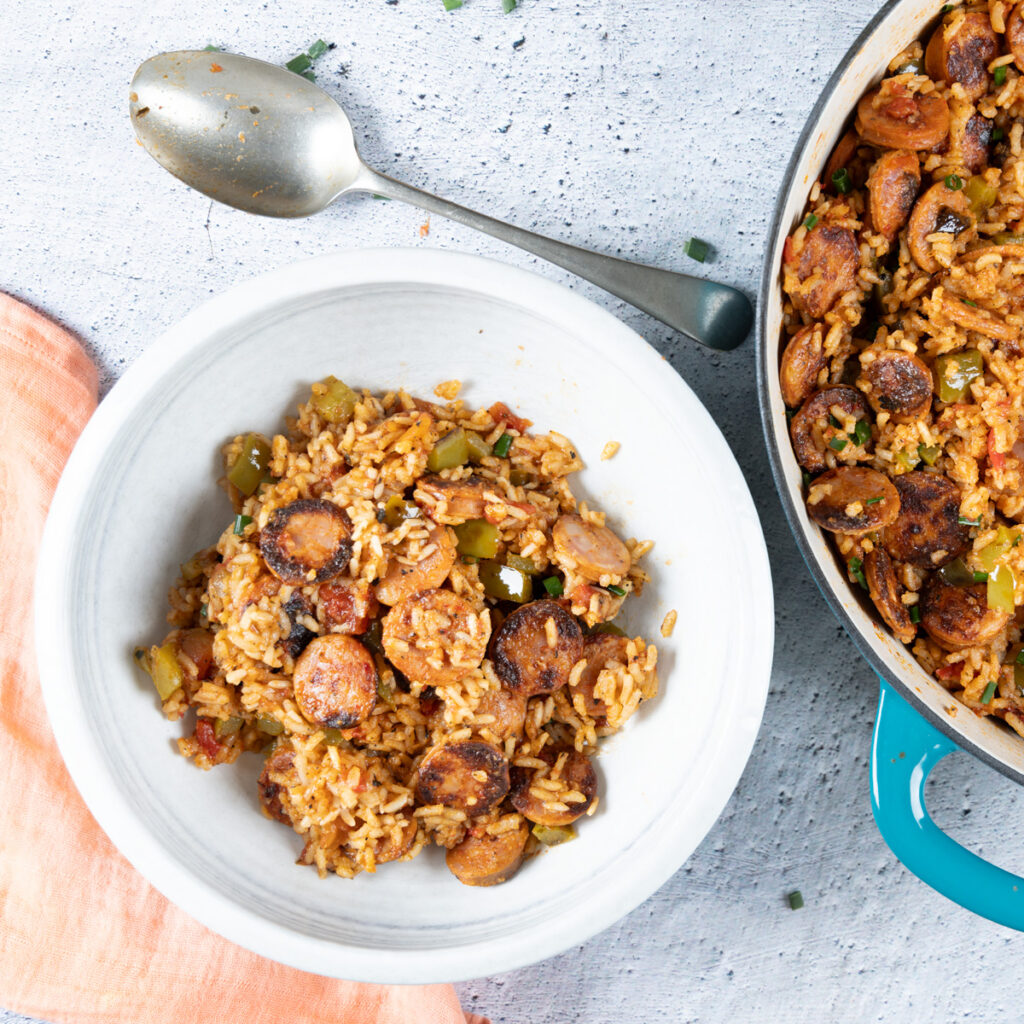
83, 937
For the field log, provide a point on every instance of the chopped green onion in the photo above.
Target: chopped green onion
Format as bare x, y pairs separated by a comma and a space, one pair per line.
299, 64
502, 446
967, 302
841, 180
204, 611
806, 478
980, 577
964, 521
318, 49
999, 75
553, 585
617, 591
309, 76
862, 432
915, 613
508, 6
855, 565
990, 692
241, 522
210, 48
946, 8
837, 443
873, 501
796, 900
997, 135
1020, 657
452, 5
810, 221
696, 249
954, 182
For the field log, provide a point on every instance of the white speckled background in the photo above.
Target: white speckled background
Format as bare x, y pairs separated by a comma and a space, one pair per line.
627, 127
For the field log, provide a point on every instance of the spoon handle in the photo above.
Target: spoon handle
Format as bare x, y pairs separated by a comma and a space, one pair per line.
713, 314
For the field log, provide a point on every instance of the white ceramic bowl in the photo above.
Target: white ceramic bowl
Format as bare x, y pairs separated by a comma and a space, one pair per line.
139, 495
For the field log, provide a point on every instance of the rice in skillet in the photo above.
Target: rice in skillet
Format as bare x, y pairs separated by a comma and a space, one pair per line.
410, 617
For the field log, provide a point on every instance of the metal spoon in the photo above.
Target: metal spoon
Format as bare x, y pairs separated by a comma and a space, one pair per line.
262, 139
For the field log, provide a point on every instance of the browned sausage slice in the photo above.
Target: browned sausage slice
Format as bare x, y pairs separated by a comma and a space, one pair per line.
893, 184
824, 268
543, 806
957, 617
811, 429
960, 50
277, 775
435, 637
599, 649
452, 501
886, 592
927, 532
402, 580
487, 859
973, 137
940, 209
594, 551
896, 382
975, 318
802, 361
468, 775
335, 682
530, 656
892, 118
852, 499
387, 848
507, 711
308, 541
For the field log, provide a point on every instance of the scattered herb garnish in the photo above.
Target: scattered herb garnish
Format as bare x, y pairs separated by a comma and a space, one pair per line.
945, 8
299, 64
841, 180
915, 613
553, 585
210, 48
997, 135
204, 610
837, 443
835, 423
806, 477
796, 900
451, 5
990, 692
241, 522
508, 6
810, 221
964, 521
980, 577
696, 249
502, 446
999, 75
954, 182
318, 49
617, 591
862, 432
967, 302
855, 565
873, 501
302, 63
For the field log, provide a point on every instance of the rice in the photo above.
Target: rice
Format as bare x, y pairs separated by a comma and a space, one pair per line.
931, 286
352, 523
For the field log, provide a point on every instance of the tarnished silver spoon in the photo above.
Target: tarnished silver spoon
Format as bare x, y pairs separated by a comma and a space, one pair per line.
262, 139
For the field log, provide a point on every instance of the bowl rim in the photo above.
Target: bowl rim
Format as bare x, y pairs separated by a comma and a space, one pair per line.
883, 667
355, 268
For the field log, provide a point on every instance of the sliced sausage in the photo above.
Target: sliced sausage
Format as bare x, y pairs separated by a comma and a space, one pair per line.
435, 637
974, 318
939, 209
972, 137
529, 656
823, 269
845, 155
348, 606
956, 617
811, 429
401, 580
277, 775
507, 709
468, 775
594, 551
802, 361
1015, 35
387, 848
960, 50
488, 860
335, 682
927, 533
898, 383
893, 118
308, 541
299, 636
529, 797
886, 592
600, 650
852, 499
893, 184
452, 501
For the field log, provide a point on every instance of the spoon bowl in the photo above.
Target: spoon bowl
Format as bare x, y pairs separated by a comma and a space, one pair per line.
265, 140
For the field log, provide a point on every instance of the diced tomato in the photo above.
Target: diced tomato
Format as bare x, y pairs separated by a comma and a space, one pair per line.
207, 739
949, 671
501, 413
900, 108
787, 251
430, 703
348, 607
997, 460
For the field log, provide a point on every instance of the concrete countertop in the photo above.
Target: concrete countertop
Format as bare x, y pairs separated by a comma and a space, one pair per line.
625, 127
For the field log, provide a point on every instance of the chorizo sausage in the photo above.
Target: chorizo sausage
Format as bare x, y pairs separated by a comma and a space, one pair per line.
592, 550
811, 429
960, 50
308, 541
468, 775
486, 859
852, 499
335, 682
927, 532
886, 592
529, 796
893, 184
896, 382
530, 656
802, 361
956, 617
893, 118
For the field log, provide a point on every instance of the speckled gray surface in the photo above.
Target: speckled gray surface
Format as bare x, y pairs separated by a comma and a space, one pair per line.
626, 127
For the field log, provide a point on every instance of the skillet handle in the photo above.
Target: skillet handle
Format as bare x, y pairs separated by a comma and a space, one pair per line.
904, 750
